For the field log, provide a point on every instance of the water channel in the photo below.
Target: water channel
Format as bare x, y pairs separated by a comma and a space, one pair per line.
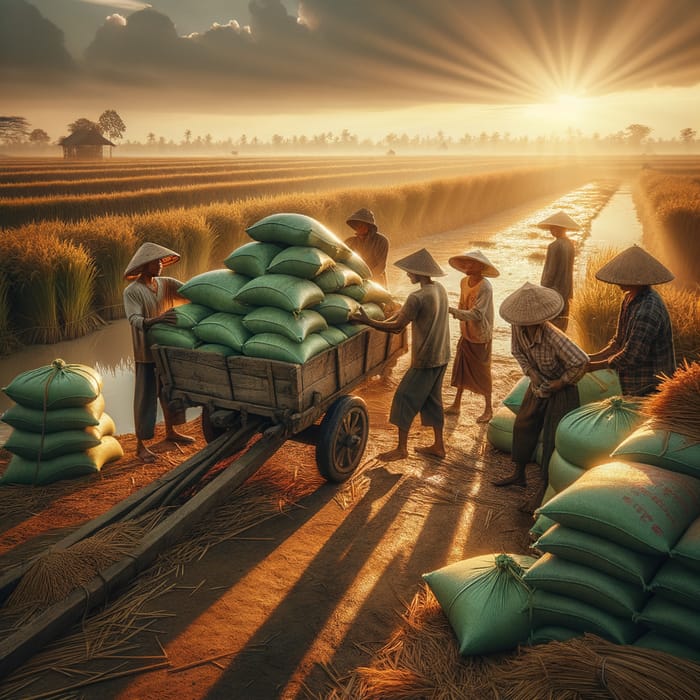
510, 239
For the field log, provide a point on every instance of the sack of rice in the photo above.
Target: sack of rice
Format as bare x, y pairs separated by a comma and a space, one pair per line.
587, 435
273, 346
373, 310
336, 308
598, 553
662, 448
281, 291
216, 289
218, 349
351, 329
551, 633
268, 319
58, 385
687, 549
636, 505
223, 329
172, 336
368, 291
555, 575
300, 261
39, 421
252, 259
541, 525
356, 263
671, 620
189, 315
658, 642
333, 335
336, 278
485, 601
24, 471
562, 473
291, 229
677, 583
499, 431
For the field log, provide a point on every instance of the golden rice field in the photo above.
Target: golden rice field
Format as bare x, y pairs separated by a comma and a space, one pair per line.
68, 229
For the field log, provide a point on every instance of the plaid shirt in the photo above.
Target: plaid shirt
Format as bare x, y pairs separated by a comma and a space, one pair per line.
642, 347
549, 352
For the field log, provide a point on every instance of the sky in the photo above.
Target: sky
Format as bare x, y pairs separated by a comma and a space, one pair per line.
260, 67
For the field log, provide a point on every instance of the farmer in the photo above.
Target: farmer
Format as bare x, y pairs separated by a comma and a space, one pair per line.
642, 347
368, 243
558, 270
420, 390
554, 363
149, 299
472, 365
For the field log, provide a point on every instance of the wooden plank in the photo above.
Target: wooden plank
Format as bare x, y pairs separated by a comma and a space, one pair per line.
351, 359
17, 647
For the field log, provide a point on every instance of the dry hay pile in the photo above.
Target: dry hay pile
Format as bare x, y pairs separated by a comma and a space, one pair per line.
421, 660
676, 404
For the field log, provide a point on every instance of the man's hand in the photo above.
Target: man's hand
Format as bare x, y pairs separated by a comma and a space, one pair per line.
169, 317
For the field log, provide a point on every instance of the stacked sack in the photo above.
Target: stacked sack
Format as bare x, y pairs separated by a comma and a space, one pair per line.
60, 429
287, 295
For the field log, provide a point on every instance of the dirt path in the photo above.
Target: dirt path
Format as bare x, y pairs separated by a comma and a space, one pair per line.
311, 592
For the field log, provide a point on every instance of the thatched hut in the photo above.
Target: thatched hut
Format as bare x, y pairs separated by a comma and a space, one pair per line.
85, 144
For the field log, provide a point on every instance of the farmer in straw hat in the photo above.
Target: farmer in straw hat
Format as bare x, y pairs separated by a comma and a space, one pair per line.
420, 390
368, 243
472, 365
558, 270
553, 363
642, 347
149, 299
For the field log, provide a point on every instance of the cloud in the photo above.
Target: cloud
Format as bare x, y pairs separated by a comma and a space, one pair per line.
388, 52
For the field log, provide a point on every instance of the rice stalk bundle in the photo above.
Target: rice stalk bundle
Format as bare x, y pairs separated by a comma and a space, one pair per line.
225, 222
194, 241
8, 340
75, 290
676, 404
684, 309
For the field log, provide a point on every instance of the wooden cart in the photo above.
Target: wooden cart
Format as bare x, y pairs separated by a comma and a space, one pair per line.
285, 398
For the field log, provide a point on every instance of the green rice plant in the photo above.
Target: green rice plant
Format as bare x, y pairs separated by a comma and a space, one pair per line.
75, 286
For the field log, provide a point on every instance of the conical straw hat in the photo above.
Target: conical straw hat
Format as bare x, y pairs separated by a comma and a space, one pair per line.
634, 266
561, 219
530, 305
364, 215
148, 252
459, 261
420, 263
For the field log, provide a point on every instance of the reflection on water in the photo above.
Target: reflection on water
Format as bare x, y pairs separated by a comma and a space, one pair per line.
511, 240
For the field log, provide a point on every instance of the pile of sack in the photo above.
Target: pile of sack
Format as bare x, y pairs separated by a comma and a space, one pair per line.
287, 295
60, 428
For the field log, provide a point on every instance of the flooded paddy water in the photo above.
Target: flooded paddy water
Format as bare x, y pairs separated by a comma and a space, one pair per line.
511, 240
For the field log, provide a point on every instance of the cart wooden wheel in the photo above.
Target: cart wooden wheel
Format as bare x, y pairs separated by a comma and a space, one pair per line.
343, 436
212, 430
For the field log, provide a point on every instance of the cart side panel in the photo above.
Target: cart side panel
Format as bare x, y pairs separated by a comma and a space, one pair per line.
201, 373
320, 377
269, 383
351, 359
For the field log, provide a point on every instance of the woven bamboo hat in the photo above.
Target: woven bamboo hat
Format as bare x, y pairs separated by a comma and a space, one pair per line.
420, 263
364, 215
561, 219
459, 262
530, 305
148, 252
634, 266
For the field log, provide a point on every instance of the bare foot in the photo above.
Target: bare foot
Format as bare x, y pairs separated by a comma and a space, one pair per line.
431, 451
452, 410
145, 455
393, 455
179, 438
485, 417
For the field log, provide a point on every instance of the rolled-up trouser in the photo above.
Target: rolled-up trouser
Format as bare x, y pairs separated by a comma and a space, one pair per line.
146, 397
420, 391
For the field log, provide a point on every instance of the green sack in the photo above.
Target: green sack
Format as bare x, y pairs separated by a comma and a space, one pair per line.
561, 472
499, 431
252, 259
281, 291
555, 575
34, 446
268, 319
216, 289
550, 633
356, 263
219, 349
172, 336
587, 435
223, 329
374, 311
333, 335
662, 448
351, 329
189, 315
515, 396
58, 385
541, 525
687, 549
658, 642
368, 291
37, 421
671, 620
677, 583
485, 600
336, 308
24, 471
552, 609
273, 346
300, 261
636, 505
291, 229
336, 278
598, 553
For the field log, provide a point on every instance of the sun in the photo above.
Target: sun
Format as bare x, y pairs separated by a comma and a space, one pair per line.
569, 101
